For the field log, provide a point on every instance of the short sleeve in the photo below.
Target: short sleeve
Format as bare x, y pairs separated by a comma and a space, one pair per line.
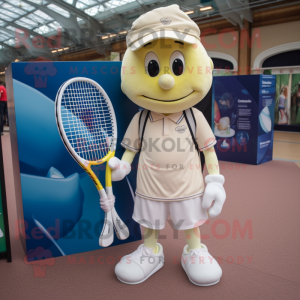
204, 135
131, 140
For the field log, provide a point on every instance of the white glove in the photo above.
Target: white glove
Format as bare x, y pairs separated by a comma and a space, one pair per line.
120, 168
214, 191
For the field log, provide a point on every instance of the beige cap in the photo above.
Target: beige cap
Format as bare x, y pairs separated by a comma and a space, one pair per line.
164, 22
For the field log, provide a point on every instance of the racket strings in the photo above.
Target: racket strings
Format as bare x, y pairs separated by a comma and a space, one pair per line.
87, 120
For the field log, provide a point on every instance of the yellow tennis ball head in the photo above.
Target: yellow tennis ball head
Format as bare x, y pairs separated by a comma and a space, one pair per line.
167, 76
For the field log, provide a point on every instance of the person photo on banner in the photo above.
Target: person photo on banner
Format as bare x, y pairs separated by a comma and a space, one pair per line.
282, 80
298, 103
298, 100
295, 99
282, 109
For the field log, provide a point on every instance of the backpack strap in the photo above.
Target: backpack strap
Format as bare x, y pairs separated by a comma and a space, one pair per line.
144, 115
191, 123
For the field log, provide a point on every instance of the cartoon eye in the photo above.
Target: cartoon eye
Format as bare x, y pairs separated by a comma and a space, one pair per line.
44, 68
177, 63
152, 64
36, 68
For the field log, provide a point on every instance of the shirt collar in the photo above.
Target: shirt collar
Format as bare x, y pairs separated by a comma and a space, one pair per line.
175, 117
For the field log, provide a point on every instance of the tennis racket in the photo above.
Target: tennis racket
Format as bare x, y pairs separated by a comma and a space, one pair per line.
87, 126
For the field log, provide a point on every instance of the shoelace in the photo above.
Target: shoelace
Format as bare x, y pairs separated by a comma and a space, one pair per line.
142, 251
198, 252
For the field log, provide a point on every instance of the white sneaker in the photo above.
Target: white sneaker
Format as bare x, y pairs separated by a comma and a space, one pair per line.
200, 267
139, 265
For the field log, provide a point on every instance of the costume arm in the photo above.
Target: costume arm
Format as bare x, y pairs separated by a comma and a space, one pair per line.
211, 161
128, 156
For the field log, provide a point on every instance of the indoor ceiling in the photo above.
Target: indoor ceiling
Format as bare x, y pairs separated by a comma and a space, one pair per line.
92, 23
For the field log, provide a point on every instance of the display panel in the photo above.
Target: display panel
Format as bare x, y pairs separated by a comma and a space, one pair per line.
2, 228
243, 122
5, 250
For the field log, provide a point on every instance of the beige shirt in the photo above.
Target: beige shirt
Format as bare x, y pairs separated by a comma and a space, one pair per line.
169, 166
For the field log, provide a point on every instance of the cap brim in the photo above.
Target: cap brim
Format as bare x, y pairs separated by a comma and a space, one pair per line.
167, 34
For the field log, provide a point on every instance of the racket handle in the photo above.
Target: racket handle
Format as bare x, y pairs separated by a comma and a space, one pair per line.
120, 227
102, 193
107, 235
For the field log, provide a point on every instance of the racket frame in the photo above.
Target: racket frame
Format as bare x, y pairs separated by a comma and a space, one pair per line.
85, 164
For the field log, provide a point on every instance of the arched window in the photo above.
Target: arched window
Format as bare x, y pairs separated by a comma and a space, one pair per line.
286, 59
222, 64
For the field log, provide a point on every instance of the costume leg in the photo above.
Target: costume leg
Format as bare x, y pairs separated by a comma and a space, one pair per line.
192, 237
150, 239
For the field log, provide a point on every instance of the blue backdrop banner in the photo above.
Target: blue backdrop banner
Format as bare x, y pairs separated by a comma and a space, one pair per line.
57, 195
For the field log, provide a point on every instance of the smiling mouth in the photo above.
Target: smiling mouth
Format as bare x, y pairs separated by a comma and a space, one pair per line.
169, 100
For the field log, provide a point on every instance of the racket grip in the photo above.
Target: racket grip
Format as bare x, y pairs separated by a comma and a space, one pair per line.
120, 227
107, 236
102, 193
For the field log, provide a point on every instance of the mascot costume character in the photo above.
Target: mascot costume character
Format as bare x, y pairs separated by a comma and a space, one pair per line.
166, 71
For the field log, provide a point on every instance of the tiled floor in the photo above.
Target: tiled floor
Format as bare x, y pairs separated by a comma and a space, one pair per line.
287, 146
259, 263
272, 272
